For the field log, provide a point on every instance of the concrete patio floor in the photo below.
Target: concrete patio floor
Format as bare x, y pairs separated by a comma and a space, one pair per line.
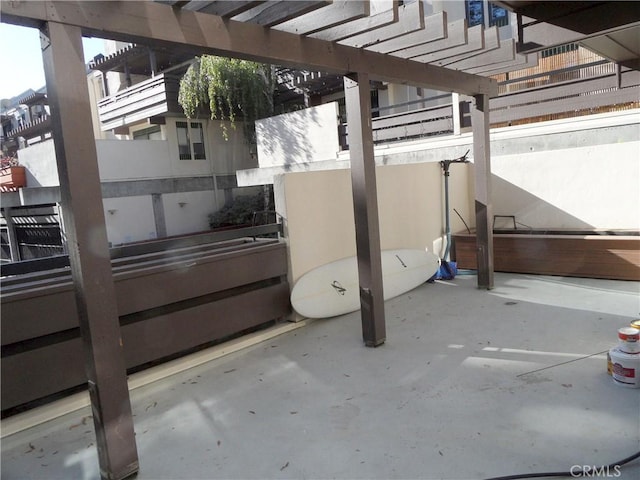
470, 384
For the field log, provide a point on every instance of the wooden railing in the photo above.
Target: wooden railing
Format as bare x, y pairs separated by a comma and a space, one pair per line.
156, 96
575, 64
414, 124
571, 84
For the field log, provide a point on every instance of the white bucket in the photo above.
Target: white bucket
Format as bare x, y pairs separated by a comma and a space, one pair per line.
629, 340
625, 368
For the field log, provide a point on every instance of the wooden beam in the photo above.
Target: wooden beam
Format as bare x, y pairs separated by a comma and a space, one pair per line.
483, 207
506, 52
490, 41
521, 62
475, 43
355, 27
435, 28
175, 3
223, 8
456, 36
410, 19
90, 264
339, 12
275, 12
365, 205
157, 24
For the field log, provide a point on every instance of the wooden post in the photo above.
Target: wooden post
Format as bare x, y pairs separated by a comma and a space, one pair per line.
153, 63
14, 248
455, 110
365, 204
484, 211
63, 235
88, 249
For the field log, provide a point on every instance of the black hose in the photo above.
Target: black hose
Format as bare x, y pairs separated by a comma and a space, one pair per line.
465, 223
572, 474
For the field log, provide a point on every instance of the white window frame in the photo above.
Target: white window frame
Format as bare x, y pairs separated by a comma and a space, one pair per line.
195, 130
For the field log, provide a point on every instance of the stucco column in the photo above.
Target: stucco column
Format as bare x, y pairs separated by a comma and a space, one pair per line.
159, 216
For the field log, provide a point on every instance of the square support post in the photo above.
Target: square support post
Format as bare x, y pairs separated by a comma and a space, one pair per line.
159, 215
484, 211
365, 205
88, 249
14, 248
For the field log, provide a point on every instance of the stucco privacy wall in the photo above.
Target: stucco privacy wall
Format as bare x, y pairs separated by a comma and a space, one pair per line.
577, 188
317, 211
39, 161
578, 174
300, 137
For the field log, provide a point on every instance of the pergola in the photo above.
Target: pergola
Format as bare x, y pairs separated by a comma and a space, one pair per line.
341, 37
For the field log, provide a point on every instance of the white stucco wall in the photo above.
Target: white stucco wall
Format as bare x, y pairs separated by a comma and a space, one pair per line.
117, 160
129, 219
123, 159
595, 187
187, 212
317, 208
228, 155
304, 136
40, 165
585, 185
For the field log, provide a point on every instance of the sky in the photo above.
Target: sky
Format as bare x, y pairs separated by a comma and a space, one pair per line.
21, 59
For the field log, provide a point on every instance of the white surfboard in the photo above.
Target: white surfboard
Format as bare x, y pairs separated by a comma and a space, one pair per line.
333, 289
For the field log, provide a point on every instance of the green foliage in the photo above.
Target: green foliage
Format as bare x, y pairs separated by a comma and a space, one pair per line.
238, 212
229, 88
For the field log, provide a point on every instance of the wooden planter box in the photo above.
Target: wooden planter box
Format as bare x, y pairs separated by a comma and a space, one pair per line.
591, 256
12, 178
170, 304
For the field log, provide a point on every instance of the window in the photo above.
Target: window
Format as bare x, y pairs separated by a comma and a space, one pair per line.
475, 12
496, 15
151, 133
190, 141
569, 47
197, 140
